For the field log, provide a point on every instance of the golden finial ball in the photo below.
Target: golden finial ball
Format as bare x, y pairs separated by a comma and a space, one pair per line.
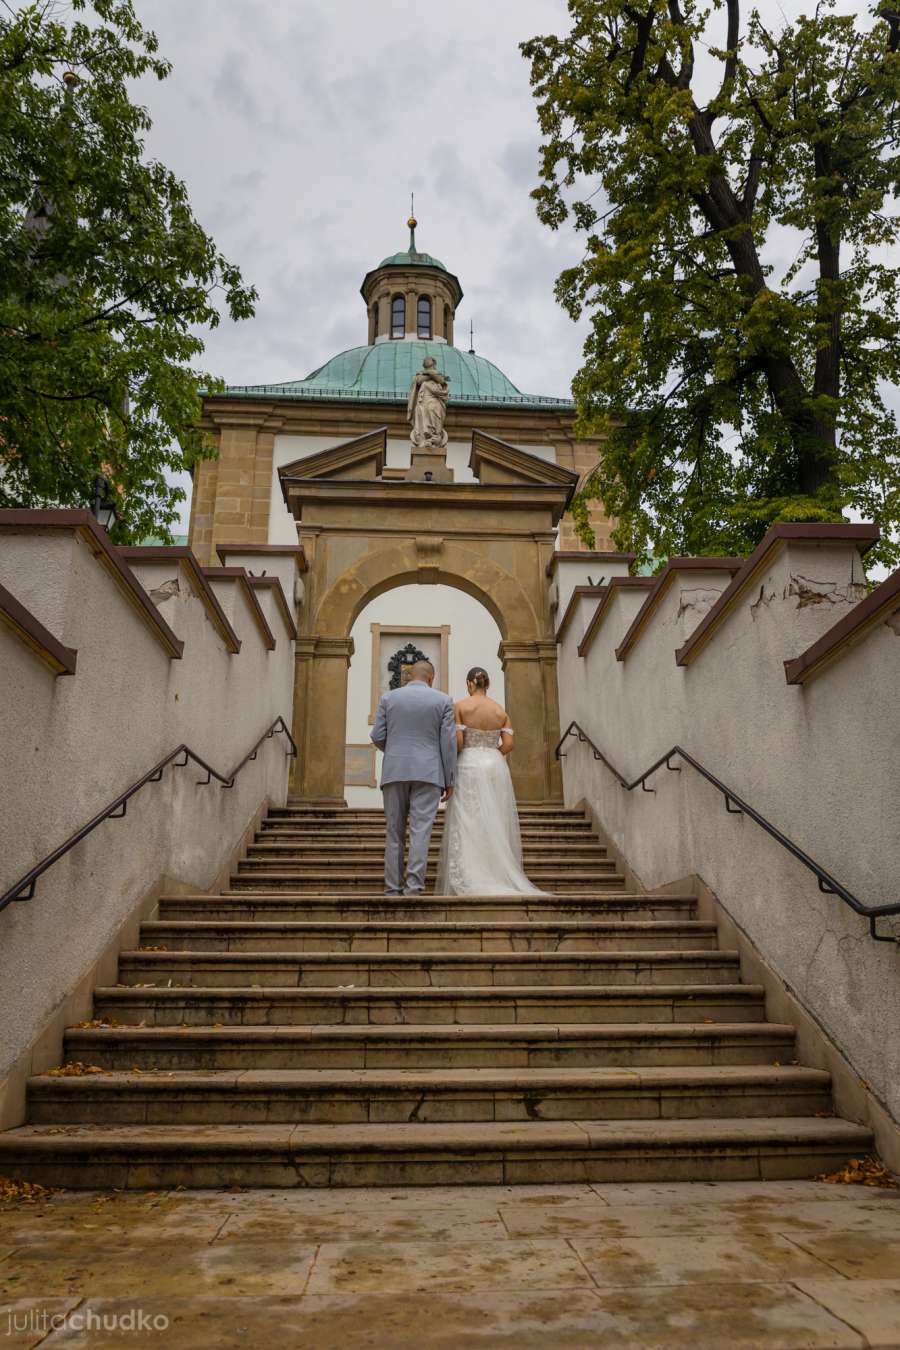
412, 222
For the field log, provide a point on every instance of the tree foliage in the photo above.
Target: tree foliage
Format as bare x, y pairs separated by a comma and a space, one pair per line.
735, 185
106, 274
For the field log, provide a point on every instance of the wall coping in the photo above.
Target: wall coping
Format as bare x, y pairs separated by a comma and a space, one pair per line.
239, 576
614, 585
578, 593
661, 584
587, 555
32, 634
863, 536
846, 633
84, 524
182, 554
265, 551
274, 584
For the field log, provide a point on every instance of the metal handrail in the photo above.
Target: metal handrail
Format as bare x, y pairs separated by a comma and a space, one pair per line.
115, 810
736, 805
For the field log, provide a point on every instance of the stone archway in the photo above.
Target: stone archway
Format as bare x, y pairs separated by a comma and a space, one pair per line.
364, 535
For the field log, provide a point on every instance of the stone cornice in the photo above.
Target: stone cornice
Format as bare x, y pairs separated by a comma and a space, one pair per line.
364, 453
340, 417
491, 453
444, 496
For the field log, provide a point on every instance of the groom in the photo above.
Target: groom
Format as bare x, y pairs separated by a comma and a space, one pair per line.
415, 728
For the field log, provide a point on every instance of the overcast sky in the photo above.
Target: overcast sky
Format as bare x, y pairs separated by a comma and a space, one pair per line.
302, 126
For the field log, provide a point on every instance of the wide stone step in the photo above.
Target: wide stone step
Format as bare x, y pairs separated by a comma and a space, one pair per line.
575, 829
280, 906
369, 881
350, 936
430, 969
489, 1153
381, 1096
373, 855
424, 1046
163, 1005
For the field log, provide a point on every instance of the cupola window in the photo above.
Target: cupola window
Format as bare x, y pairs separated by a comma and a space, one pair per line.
423, 317
447, 322
375, 309
398, 316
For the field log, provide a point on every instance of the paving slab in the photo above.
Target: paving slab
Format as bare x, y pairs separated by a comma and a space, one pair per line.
783, 1319
116, 1270
379, 1267
697, 1258
870, 1307
26, 1322
737, 1216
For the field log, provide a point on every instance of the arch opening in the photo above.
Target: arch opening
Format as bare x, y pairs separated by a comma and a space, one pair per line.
452, 628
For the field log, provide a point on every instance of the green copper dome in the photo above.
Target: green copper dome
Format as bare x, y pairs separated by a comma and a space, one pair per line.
412, 260
385, 371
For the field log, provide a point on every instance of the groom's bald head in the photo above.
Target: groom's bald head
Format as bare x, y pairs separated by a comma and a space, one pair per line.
422, 670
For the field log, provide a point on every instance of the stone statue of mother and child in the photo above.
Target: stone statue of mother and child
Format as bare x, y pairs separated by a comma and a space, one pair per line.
426, 407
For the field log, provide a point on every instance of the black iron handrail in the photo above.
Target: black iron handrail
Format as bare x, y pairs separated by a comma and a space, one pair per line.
115, 810
828, 885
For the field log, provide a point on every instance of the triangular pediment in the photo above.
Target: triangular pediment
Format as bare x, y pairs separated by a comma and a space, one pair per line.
496, 461
360, 459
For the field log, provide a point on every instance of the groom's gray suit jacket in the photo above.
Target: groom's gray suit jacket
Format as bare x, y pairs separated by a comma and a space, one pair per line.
415, 728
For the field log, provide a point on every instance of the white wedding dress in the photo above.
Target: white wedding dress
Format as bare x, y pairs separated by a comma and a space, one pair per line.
481, 852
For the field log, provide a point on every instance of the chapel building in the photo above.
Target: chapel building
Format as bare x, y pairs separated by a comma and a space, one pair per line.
506, 455
412, 302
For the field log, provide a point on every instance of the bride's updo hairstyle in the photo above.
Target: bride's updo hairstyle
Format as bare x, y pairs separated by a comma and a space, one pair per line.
479, 678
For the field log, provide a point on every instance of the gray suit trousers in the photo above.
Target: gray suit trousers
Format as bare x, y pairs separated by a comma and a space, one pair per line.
416, 803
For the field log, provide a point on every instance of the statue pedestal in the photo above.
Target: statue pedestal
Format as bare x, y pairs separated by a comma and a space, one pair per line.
429, 465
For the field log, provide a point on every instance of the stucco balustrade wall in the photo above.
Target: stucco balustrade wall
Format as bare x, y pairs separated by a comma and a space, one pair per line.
820, 761
71, 744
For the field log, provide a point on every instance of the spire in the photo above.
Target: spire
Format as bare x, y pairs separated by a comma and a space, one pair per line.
412, 223
471, 338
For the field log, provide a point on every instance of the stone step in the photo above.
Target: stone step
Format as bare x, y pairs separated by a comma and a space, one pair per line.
370, 881
355, 829
382, 1096
424, 1046
295, 807
371, 865
336, 854
171, 1006
430, 969
489, 1153
280, 906
305, 936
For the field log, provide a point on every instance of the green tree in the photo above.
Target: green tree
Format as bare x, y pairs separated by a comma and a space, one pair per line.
106, 275
737, 203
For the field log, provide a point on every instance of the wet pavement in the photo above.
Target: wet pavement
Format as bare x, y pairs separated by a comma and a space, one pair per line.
731, 1264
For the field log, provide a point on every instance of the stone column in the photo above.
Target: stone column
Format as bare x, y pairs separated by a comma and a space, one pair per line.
320, 719
203, 505
533, 703
411, 317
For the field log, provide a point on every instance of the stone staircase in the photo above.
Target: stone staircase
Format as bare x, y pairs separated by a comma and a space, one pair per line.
302, 1030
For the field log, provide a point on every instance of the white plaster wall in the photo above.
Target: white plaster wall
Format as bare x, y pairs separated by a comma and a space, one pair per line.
474, 640
72, 744
571, 572
819, 761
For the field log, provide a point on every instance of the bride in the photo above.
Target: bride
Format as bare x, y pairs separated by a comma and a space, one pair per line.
481, 852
